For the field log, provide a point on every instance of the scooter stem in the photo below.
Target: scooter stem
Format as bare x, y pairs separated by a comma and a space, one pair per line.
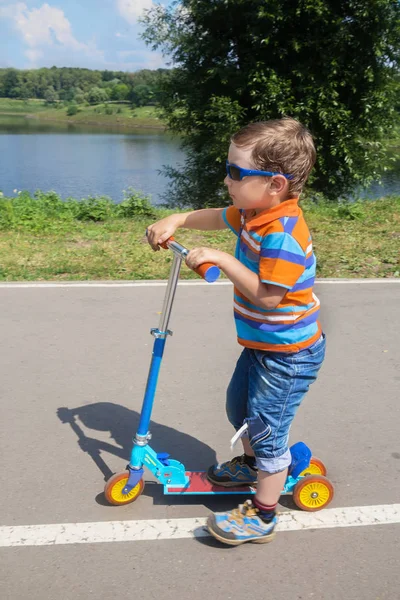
160, 335
179, 254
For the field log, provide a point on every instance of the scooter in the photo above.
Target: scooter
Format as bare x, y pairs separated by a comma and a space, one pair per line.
306, 478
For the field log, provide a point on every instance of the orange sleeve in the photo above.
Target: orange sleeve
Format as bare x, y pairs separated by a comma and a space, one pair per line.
232, 218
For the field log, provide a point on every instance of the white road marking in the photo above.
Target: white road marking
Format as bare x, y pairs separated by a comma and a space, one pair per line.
130, 284
174, 529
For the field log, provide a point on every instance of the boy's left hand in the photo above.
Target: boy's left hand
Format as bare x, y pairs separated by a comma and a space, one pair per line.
198, 256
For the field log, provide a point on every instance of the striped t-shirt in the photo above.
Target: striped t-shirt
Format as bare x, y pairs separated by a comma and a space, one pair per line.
276, 244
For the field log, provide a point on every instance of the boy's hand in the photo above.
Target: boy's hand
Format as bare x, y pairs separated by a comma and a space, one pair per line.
160, 231
198, 256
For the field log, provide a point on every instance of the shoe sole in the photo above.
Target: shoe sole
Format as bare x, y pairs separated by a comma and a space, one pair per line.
229, 484
261, 540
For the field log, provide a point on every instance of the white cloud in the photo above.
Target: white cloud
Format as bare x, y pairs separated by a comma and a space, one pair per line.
45, 26
131, 10
142, 59
33, 55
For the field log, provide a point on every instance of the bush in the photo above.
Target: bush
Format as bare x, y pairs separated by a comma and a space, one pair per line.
134, 205
109, 110
98, 208
36, 213
47, 211
72, 110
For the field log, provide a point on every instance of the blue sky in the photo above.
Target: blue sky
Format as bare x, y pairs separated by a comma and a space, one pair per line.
97, 34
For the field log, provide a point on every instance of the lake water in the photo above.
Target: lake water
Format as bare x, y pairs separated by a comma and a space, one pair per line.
83, 160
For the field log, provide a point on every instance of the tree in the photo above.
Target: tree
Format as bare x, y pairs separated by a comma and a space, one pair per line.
329, 64
119, 92
11, 83
96, 95
50, 95
141, 95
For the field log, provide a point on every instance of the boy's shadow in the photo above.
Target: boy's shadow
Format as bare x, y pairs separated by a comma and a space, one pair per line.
122, 424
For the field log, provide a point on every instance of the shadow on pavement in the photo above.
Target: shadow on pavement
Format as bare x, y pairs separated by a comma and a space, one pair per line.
122, 423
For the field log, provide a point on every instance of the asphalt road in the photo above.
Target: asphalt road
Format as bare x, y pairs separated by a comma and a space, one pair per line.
86, 351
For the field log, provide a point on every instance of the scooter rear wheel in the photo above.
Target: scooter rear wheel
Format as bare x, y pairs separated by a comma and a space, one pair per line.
115, 485
316, 467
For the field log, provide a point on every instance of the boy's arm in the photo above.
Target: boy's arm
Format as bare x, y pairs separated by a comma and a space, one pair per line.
248, 283
266, 295
206, 219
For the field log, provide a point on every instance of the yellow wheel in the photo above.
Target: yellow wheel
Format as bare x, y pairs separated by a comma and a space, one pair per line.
313, 492
115, 485
316, 467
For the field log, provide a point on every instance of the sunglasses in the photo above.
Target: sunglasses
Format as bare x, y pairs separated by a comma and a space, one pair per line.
237, 173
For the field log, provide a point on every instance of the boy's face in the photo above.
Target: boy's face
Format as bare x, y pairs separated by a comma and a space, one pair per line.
254, 193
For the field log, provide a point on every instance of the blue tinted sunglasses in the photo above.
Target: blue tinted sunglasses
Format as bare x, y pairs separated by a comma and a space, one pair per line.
237, 173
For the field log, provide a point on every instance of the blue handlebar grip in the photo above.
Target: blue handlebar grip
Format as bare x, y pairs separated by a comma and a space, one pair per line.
212, 274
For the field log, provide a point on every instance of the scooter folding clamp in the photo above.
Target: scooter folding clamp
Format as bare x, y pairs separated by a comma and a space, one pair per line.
155, 332
142, 440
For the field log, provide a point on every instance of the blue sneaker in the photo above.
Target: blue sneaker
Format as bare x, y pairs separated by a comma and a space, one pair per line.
241, 525
232, 473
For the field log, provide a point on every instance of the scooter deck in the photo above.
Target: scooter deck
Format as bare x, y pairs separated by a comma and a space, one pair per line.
199, 484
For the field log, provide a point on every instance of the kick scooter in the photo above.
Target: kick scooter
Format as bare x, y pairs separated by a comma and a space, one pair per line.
306, 479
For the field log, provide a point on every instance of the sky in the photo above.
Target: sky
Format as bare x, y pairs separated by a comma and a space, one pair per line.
96, 34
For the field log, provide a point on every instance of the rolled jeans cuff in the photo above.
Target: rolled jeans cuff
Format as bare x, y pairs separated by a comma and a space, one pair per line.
274, 465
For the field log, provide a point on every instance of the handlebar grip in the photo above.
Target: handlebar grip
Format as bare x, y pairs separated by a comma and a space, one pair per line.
208, 271
165, 244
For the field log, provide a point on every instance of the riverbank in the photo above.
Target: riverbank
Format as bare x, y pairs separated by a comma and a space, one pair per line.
47, 239
110, 114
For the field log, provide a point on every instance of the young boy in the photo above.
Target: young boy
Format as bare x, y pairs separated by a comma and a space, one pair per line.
276, 312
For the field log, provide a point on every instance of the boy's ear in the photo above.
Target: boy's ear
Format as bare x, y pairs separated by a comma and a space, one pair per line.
278, 184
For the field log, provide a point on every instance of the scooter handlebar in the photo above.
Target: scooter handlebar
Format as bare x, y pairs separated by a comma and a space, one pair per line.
208, 271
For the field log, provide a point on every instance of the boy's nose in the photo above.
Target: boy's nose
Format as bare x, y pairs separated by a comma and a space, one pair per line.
227, 180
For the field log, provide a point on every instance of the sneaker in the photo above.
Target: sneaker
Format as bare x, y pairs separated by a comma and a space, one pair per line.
232, 473
241, 525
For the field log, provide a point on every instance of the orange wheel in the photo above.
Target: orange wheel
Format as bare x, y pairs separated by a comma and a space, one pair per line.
115, 485
316, 467
313, 492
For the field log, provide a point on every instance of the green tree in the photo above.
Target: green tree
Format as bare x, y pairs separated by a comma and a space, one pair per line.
97, 95
119, 92
141, 95
50, 95
329, 64
11, 83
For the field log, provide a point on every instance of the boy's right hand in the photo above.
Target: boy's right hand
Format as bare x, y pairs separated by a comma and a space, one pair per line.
160, 231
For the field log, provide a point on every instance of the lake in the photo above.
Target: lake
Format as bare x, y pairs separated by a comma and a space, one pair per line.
83, 160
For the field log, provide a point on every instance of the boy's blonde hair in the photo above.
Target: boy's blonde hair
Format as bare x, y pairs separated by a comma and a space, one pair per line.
282, 145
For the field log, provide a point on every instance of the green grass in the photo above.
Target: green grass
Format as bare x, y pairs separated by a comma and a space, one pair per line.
44, 238
10, 106
144, 116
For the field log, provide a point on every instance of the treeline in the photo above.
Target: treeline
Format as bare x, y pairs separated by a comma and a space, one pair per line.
83, 85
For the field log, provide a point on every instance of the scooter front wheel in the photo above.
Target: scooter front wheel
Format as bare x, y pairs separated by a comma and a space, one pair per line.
313, 492
115, 485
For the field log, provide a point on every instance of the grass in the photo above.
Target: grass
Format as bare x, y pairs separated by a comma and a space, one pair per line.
44, 238
144, 116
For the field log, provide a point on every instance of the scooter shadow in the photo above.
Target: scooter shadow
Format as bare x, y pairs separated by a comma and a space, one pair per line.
121, 423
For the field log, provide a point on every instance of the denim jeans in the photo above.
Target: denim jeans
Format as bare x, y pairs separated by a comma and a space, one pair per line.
265, 391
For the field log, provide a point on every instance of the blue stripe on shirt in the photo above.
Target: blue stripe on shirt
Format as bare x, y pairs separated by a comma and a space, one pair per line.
290, 336
283, 255
278, 327
282, 241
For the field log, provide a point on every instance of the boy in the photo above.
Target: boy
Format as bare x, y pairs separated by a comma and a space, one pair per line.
276, 312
